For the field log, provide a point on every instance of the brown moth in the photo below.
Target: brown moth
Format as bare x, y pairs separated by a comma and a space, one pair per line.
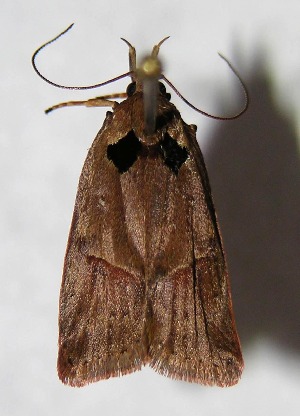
145, 278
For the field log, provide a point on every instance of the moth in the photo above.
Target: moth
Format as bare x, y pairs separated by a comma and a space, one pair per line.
145, 279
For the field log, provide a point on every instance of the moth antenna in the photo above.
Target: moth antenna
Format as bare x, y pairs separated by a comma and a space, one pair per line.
88, 87
246, 95
156, 48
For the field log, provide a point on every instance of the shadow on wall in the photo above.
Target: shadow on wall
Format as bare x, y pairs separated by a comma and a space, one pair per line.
254, 171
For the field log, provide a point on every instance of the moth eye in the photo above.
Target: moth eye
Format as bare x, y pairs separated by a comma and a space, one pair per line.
131, 89
124, 153
163, 91
173, 154
162, 88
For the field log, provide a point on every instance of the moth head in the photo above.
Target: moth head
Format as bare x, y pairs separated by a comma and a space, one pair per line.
131, 89
145, 78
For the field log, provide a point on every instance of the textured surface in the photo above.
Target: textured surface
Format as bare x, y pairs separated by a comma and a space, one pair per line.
145, 279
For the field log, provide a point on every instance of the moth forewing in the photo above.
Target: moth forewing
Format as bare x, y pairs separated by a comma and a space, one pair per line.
195, 337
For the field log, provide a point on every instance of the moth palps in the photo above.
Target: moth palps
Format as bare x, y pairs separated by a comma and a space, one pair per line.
145, 279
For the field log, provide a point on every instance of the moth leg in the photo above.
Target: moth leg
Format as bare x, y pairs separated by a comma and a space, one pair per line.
115, 95
103, 101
